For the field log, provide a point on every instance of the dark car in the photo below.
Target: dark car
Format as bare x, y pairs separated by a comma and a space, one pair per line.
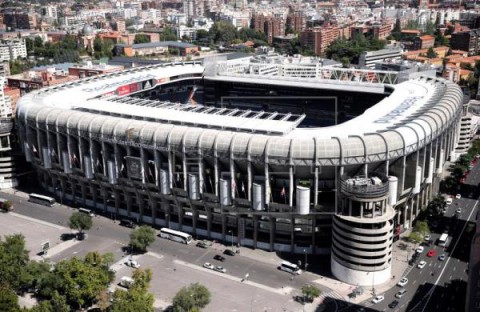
219, 258
127, 223
393, 304
229, 252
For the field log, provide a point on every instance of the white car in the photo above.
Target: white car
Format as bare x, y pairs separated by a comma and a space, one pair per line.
132, 263
403, 281
208, 265
458, 196
459, 210
422, 264
419, 249
220, 269
427, 237
378, 299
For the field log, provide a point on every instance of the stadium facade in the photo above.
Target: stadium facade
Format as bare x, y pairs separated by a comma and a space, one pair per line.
277, 154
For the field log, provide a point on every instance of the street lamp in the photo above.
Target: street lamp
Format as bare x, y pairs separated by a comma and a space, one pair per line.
231, 232
306, 263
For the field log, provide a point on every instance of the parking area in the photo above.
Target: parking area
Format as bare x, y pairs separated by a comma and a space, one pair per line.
229, 293
35, 231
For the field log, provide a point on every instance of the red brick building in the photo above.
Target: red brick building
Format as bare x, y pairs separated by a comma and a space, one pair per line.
297, 21
271, 26
423, 42
319, 38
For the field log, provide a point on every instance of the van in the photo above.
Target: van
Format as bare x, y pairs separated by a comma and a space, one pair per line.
87, 211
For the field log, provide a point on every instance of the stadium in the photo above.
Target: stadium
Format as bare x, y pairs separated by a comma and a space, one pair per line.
281, 154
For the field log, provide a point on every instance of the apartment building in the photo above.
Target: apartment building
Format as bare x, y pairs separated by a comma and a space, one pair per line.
319, 38
370, 58
272, 26
297, 21
12, 49
466, 41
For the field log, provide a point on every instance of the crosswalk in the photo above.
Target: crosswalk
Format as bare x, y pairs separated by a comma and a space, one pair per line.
325, 296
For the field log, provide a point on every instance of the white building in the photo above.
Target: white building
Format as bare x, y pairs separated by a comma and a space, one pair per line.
12, 49
50, 11
370, 58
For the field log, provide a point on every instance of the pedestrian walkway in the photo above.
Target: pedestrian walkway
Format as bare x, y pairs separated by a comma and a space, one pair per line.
56, 250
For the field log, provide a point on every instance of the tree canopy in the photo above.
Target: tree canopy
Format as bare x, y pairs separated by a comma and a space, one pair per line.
311, 292
80, 221
14, 259
78, 280
137, 298
348, 51
191, 298
141, 38
141, 238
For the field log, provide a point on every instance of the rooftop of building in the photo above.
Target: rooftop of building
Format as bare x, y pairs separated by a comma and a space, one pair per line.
159, 44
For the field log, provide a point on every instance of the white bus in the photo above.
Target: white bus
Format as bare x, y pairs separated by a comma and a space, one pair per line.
41, 199
175, 235
443, 240
290, 267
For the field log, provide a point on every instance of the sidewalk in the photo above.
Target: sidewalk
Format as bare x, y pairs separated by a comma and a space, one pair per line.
401, 251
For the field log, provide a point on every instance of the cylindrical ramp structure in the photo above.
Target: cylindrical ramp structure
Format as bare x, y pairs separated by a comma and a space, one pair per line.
164, 182
67, 166
112, 172
47, 161
193, 189
431, 168
87, 167
258, 197
418, 180
392, 190
225, 193
303, 200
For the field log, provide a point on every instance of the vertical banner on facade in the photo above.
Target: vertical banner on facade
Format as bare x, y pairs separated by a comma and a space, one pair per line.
134, 167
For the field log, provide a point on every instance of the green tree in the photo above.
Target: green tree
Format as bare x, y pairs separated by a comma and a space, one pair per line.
78, 281
202, 34
137, 298
191, 298
7, 205
223, 32
416, 237
59, 303
107, 259
422, 228
37, 270
14, 259
168, 34
429, 28
310, 292
436, 205
42, 306
80, 221
431, 53
141, 238
8, 299
141, 38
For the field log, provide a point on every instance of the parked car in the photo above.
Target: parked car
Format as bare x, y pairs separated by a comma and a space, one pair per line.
208, 265
401, 293
132, 263
402, 282
422, 264
219, 258
127, 223
458, 196
378, 299
203, 244
229, 252
220, 269
442, 257
393, 304
459, 210
431, 253
419, 249
427, 237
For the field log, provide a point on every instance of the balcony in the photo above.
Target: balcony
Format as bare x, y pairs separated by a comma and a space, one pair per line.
365, 187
